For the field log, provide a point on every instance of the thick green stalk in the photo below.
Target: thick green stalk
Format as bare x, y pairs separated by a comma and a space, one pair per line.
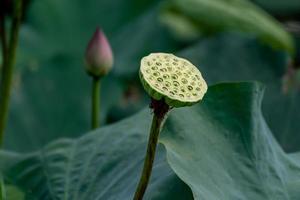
3, 41
95, 102
150, 155
2, 188
7, 76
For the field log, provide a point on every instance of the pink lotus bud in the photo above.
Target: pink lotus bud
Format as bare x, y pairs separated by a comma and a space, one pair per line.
98, 55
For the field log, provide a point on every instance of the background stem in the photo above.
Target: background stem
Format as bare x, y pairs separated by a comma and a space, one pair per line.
3, 40
150, 155
7, 76
95, 102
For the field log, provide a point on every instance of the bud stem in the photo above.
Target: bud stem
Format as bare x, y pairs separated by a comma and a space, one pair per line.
7, 76
160, 110
95, 102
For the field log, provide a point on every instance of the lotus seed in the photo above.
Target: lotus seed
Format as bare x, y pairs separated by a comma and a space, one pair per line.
178, 73
166, 76
184, 81
190, 88
156, 74
176, 84
174, 76
167, 84
160, 80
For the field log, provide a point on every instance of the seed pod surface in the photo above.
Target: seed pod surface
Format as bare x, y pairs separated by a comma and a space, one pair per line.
175, 79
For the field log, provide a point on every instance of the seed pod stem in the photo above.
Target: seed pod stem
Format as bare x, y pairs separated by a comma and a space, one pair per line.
160, 109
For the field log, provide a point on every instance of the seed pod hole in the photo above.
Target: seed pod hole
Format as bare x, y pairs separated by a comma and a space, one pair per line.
159, 79
176, 83
174, 76
167, 84
156, 73
163, 70
178, 73
190, 88
184, 81
166, 76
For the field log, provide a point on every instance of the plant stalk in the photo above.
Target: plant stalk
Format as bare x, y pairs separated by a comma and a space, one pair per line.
158, 117
3, 40
7, 76
95, 102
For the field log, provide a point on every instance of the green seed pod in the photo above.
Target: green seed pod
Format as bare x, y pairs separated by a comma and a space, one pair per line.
174, 79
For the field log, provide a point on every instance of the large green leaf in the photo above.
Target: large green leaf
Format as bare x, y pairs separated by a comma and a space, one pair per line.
221, 147
235, 57
100, 165
210, 16
228, 152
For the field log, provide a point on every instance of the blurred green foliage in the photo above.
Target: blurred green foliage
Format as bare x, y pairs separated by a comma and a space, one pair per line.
53, 90
51, 100
210, 16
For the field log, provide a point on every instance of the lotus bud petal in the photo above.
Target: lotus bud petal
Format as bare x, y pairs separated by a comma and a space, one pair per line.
98, 55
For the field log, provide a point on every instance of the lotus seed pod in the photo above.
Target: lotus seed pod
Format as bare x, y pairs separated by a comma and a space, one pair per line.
98, 55
174, 79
